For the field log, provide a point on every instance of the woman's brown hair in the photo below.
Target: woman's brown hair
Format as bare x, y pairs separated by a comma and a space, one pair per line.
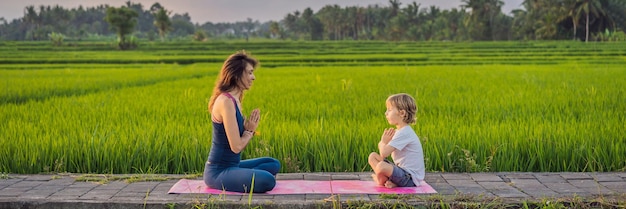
230, 75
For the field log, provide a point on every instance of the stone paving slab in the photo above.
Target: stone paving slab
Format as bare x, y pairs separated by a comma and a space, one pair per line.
550, 178
64, 190
576, 176
607, 177
483, 177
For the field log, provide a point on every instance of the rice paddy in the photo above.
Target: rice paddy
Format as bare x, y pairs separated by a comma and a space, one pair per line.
484, 106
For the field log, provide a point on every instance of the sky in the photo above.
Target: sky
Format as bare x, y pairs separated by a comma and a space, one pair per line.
202, 11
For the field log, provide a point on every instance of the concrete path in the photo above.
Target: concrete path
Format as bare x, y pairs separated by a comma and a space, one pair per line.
150, 191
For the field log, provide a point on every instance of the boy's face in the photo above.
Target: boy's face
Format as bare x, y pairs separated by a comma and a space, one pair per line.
393, 115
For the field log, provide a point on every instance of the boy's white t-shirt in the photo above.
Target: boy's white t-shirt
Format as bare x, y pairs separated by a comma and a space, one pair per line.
408, 154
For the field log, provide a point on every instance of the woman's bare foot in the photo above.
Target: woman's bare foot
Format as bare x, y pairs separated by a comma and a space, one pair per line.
390, 184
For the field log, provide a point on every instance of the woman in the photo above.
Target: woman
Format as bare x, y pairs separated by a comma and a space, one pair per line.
232, 132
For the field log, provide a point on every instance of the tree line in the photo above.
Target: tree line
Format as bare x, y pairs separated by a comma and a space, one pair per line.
475, 20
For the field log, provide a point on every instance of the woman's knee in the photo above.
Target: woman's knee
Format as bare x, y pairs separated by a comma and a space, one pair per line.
263, 182
274, 165
207, 176
276, 162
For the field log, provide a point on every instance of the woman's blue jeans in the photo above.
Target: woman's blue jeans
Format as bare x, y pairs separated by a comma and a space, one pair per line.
239, 179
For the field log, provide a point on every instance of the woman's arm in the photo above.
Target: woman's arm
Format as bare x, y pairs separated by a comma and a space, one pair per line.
226, 108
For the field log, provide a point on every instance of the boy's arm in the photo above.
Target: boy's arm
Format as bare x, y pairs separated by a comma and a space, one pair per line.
385, 150
383, 146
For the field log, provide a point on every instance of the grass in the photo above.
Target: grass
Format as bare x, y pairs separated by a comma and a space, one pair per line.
152, 118
40, 82
436, 201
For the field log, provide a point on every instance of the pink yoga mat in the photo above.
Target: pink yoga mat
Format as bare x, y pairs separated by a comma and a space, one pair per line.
307, 187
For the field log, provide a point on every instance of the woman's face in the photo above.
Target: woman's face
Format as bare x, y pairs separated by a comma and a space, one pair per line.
248, 77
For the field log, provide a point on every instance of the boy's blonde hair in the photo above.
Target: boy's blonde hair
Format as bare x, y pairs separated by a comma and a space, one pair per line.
405, 102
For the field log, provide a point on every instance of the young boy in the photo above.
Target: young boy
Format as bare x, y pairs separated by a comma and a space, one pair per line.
402, 144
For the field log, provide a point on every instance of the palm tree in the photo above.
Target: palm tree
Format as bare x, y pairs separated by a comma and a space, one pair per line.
3, 24
616, 10
162, 22
32, 18
568, 12
248, 26
155, 7
482, 16
329, 15
275, 29
395, 7
588, 7
548, 27
291, 22
123, 21
312, 25
397, 27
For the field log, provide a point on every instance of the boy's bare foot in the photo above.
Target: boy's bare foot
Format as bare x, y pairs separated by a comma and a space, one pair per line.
390, 184
379, 182
376, 180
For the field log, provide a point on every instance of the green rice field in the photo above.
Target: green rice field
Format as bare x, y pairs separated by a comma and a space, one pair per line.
483, 106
